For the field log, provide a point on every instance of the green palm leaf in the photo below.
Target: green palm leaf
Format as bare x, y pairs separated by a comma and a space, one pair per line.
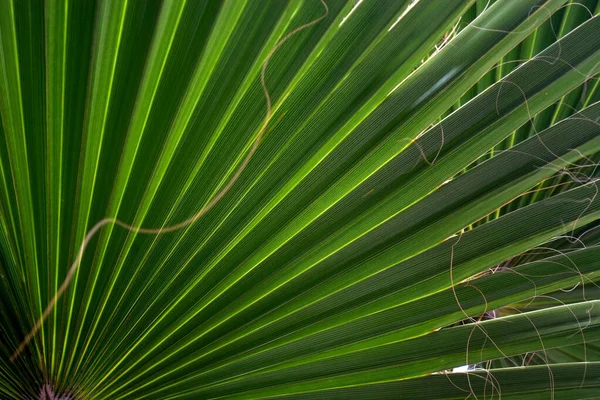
300, 199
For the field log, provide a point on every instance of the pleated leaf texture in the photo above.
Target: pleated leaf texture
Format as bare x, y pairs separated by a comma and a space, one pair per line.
303, 199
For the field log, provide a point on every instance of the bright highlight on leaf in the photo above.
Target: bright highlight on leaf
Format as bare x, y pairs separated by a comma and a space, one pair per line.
298, 199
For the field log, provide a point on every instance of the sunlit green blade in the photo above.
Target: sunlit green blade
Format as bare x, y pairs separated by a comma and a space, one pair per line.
21, 114
347, 279
363, 169
510, 335
461, 195
560, 381
421, 168
467, 255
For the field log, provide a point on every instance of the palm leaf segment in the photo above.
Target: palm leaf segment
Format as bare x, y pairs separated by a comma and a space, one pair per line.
423, 196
